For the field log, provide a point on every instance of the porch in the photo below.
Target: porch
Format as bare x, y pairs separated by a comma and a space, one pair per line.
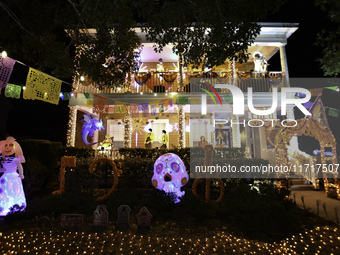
164, 82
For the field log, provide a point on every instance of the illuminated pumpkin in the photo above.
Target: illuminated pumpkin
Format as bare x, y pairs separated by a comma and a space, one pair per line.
169, 175
11, 147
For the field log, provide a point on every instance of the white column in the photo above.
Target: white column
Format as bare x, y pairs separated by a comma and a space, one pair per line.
236, 132
294, 144
127, 128
181, 127
71, 127
284, 64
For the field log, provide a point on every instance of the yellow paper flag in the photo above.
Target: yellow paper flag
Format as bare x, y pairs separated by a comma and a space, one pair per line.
42, 87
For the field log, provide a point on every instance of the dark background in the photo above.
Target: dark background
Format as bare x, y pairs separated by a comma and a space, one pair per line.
36, 119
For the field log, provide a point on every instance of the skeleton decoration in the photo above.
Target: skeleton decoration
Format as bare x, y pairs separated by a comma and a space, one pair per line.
169, 175
10, 147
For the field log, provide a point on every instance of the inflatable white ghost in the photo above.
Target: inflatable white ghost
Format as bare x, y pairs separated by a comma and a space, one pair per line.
169, 175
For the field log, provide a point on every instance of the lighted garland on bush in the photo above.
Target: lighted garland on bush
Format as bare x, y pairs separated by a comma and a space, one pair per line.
66, 161
207, 189
115, 180
208, 161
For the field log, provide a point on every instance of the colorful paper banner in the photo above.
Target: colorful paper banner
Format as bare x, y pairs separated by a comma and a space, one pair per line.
333, 112
182, 100
6, 68
100, 105
153, 109
42, 87
145, 110
134, 111
13, 91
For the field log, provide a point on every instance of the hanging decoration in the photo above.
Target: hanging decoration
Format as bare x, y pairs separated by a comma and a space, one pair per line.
89, 103
195, 100
165, 103
6, 68
316, 92
169, 175
183, 100
153, 109
145, 110
134, 111
137, 125
13, 91
89, 127
275, 78
161, 108
244, 77
333, 112
142, 78
42, 87
120, 107
100, 105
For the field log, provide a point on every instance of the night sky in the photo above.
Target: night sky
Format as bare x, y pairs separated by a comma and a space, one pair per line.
36, 119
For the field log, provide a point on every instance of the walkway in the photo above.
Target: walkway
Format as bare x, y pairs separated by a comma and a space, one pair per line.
316, 202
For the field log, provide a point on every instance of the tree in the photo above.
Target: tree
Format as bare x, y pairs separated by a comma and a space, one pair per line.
213, 31
329, 40
34, 31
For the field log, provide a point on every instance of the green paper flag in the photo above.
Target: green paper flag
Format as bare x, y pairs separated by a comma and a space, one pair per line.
335, 88
333, 112
87, 95
13, 91
228, 98
182, 100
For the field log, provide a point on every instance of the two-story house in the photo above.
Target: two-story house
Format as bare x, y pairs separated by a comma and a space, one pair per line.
162, 97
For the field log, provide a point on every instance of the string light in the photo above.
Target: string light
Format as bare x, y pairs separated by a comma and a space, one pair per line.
57, 241
71, 127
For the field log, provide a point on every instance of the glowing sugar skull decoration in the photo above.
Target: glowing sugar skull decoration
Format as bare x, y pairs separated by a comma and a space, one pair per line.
169, 175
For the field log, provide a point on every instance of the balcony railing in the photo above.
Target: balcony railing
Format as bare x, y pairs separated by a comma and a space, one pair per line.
154, 82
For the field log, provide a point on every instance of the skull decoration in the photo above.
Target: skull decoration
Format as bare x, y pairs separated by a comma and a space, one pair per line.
169, 175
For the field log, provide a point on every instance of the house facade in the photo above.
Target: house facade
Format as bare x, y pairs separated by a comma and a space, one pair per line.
162, 97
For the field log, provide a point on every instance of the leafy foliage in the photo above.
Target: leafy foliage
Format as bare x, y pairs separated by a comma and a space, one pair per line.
329, 40
34, 32
207, 31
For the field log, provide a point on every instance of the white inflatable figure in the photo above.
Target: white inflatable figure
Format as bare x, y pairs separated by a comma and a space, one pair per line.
10, 147
11, 191
169, 175
260, 64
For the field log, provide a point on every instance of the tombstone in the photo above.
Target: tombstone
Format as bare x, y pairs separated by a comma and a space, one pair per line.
100, 217
144, 218
72, 221
123, 216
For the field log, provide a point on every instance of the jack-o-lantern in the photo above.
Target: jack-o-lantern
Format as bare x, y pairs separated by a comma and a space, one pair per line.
11, 147
169, 175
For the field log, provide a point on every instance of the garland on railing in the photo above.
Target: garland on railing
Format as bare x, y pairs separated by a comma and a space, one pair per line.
170, 77
141, 78
244, 76
275, 78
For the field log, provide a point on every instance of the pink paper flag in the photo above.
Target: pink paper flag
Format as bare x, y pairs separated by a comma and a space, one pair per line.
6, 68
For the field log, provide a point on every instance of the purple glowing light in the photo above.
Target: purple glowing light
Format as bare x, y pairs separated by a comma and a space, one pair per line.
169, 175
